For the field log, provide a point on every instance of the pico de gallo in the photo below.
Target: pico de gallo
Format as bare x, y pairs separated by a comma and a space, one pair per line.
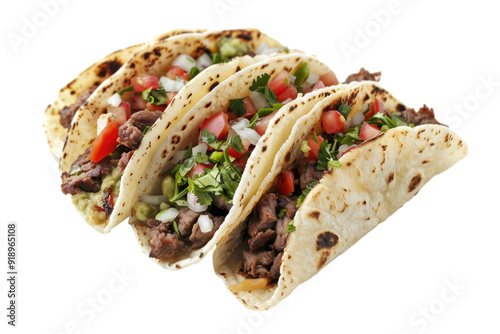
94, 178
272, 219
198, 192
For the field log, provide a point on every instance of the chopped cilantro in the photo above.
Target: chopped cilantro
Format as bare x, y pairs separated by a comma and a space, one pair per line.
194, 72
210, 139
237, 107
155, 96
281, 213
344, 110
146, 129
260, 83
128, 89
271, 97
305, 192
290, 228
263, 113
236, 144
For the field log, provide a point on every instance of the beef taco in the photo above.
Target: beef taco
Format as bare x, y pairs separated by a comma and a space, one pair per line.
112, 134
59, 115
212, 162
349, 164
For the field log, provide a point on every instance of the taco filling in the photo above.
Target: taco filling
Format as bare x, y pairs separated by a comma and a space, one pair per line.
94, 177
272, 219
198, 192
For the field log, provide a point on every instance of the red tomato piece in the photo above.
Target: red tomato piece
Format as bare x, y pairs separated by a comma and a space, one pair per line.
368, 131
280, 83
331, 121
240, 162
176, 72
155, 107
263, 123
143, 82
286, 183
105, 143
375, 107
250, 107
198, 169
329, 79
216, 124
232, 152
313, 153
290, 92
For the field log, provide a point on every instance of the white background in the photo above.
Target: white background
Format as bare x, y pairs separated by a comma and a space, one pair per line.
395, 280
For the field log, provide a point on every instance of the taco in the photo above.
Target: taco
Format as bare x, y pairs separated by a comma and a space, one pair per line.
204, 173
58, 115
349, 164
111, 137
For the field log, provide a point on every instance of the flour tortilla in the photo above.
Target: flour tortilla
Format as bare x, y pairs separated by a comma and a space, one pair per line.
92, 76
374, 181
154, 59
260, 161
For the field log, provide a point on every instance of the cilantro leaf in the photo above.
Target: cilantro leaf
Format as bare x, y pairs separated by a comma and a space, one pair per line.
260, 83
263, 113
351, 136
236, 144
237, 107
271, 97
305, 192
155, 96
194, 72
210, 139
128, 89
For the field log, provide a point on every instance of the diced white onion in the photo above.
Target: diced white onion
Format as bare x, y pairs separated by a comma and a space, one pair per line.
242, 129
193, 205
104, 120
203, 61
114, 100
264, 49
205, 223
343, 149
291, 79
172, 85
167, 215
259, 100
153, 199
312, 79
358, 119
201, 148
186, 62
365, 107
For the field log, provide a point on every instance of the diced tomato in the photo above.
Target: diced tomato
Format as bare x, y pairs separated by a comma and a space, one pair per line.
250, 107
280, 83
368, 131
290, 92
263, 123
177, 72
232, 152
216, 124
143, 82
318, 85
105, 143
286, 183
329, 79
240, 162
375, 107
198, 169
313, 153
155, 107
331, 121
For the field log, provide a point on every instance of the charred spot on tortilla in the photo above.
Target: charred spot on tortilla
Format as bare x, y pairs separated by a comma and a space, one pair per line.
264, 148
215, 84
326, 240
389, 180
314, 214
264, 66
424, 162
208, 104
175, 139
277, 121
244, 36
131, 65
415, 181
146, 55
201, 255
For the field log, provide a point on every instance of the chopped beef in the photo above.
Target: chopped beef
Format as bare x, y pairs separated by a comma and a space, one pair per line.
185, 221
67, 113
281, 234
309, 175
363, 75
287, 203
265, 217
258, 264
87, 175
261, 239
200, 239
425, 115
274, 272
165, 244
125, 159
221, 203
130, 133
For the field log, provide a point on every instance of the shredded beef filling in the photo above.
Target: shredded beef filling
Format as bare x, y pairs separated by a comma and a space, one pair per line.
425, 115
363, 75
131, 132
67, 113
166, 243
